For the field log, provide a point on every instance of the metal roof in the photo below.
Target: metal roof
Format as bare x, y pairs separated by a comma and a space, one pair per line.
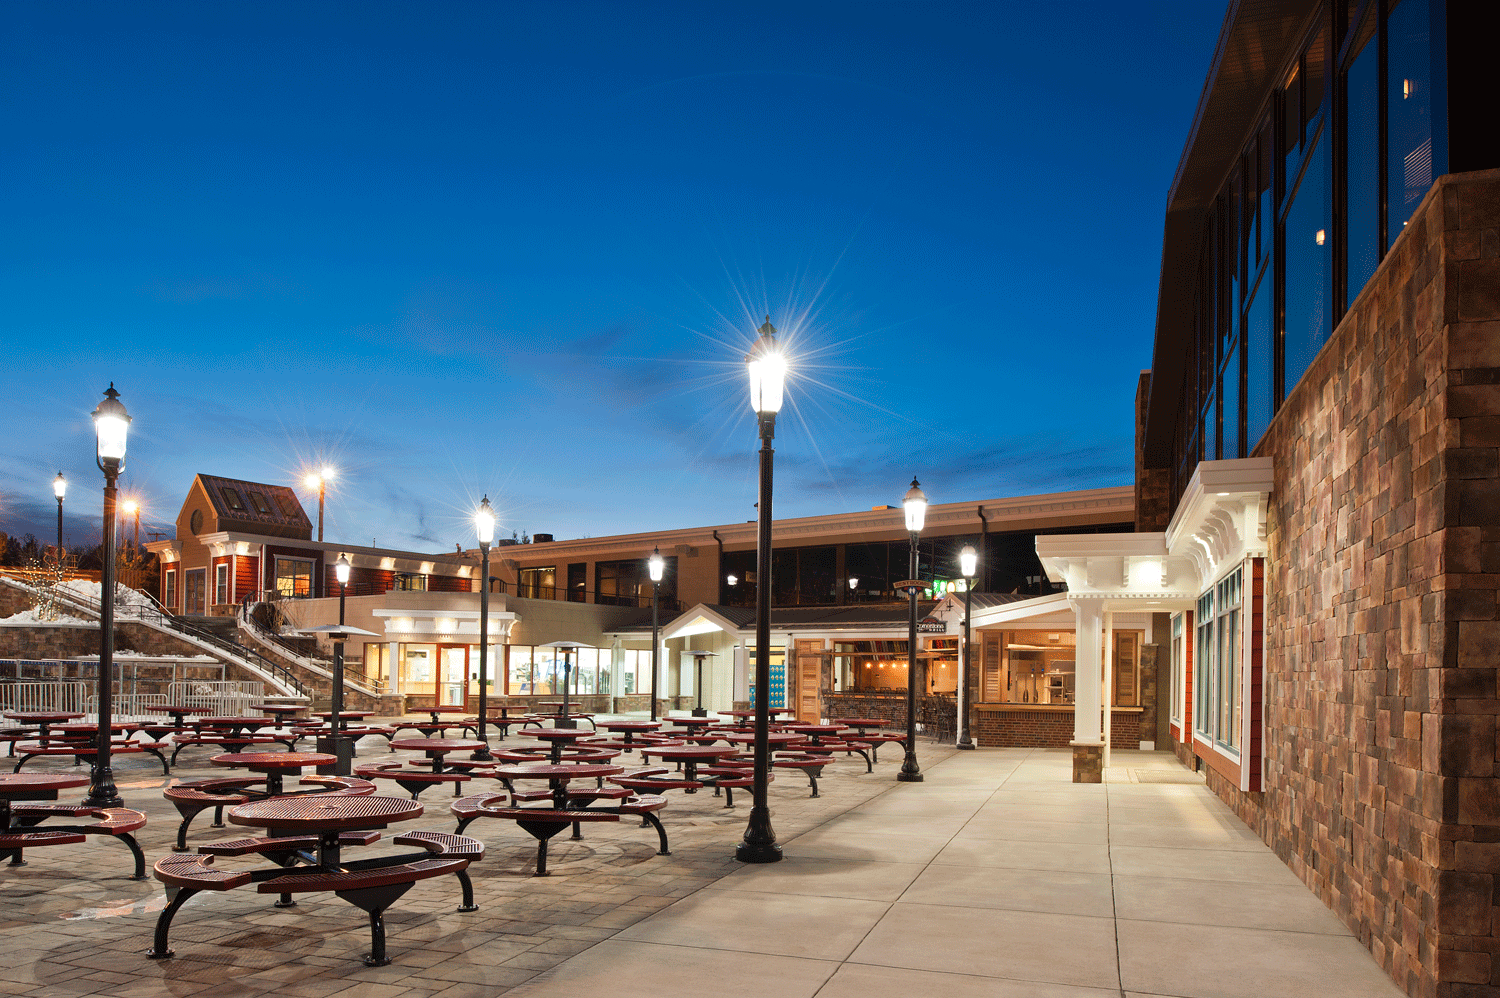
264, 509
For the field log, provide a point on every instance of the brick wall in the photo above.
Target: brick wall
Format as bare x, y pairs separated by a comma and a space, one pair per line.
1382, 630
1021, 728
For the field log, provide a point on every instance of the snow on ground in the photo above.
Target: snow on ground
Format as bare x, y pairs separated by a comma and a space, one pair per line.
91, 590
34, 616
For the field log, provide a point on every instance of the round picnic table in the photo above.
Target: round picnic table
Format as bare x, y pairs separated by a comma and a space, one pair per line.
630, 729
693, 723
283, 712
770, 712
358, 715
557, 775
236, 725
815, 732
860, 724
558, 737
785, 739
177, 711
43, 719
32, 786
273, 764
325, 816
689, 755
436, 748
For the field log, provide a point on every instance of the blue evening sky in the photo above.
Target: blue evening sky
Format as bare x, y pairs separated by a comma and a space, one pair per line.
520, 249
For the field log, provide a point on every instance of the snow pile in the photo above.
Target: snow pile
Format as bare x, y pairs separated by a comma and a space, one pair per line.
124, 595
35, 616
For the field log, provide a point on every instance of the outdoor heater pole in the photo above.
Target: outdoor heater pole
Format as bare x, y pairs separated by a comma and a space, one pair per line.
484, 636
915, 504
967, 559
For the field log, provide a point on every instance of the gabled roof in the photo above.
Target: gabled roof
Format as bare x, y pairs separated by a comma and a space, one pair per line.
256, 508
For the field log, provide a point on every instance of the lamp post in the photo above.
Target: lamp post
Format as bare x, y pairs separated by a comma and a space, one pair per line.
484, 526
968, 562
915, 505
131, 508
111, 426
767, 369
341, 572
657, 565
319, 480
59, 489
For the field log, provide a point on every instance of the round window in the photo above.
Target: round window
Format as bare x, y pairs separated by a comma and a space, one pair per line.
196, 523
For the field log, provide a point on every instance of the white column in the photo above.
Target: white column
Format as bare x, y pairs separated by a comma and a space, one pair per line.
1088, 682
395, 650
1109, 681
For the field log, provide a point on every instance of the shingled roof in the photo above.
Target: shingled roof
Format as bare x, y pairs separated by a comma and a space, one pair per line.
256, 508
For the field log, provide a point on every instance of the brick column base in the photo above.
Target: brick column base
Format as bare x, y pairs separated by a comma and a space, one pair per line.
1088, 762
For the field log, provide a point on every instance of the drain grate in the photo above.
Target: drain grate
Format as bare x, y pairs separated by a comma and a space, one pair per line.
1165, 776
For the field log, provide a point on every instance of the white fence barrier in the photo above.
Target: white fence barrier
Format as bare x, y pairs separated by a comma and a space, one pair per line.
226, 698
62, 695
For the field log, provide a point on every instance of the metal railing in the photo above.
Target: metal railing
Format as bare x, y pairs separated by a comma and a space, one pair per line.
29, 695
257, 631
152, 612
231, 698
525, 590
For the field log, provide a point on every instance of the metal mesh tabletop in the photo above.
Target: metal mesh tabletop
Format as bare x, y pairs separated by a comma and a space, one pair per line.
318, 813
273, 760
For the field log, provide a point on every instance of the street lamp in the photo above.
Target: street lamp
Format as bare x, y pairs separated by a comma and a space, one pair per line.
657, 565
340, 572
968, 563
111, 426
59, 489
132, 508
484, 526
767, 370
319, 480
915, 505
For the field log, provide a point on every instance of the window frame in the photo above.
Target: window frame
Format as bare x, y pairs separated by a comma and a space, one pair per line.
277, 577
221, 583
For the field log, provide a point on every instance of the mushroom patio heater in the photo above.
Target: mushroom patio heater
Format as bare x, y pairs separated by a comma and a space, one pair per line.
698, 657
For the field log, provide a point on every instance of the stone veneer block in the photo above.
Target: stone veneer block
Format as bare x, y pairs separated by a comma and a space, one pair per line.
1088, 763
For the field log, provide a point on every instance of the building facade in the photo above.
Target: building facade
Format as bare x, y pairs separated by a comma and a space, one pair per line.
1318, 470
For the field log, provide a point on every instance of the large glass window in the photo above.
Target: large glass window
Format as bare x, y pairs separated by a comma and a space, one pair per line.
628, 583
1362, 169
1229, 389
1308, 243
1408, 111
1179, 668
1219, 664
578, 582
293, 577
538, 583
1259, 385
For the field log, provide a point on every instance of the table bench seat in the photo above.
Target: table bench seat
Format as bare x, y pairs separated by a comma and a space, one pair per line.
811, 766
283, 845
83, 748
117, 822
413, 781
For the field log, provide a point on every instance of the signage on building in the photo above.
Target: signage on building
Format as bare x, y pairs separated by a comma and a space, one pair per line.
932, 625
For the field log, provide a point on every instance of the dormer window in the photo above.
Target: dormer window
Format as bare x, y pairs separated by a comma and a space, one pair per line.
258, 502
232, 499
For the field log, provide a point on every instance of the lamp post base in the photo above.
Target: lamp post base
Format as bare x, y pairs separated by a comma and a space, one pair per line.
102, 792
341, 747
759, 844
482, 755
910, 771
700, 711
966, 745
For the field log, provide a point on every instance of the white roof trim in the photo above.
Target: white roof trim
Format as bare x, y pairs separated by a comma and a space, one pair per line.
1221, 519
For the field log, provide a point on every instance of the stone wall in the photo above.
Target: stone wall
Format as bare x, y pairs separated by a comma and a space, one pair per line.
1382, 624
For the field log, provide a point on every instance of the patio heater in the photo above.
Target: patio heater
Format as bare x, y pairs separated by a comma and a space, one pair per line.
915, 505
767, 370
968, 562
111, 427
698, 657
59, 489
568, 647
484, 527
657, 565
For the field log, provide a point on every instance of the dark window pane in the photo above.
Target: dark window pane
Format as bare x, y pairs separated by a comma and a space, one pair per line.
1210, 427
1362, 205
1229, 388
578, 582
1291, 131
1258, 376
1234, 252
1409, 110
1309, 266
1313, 77
1263, 187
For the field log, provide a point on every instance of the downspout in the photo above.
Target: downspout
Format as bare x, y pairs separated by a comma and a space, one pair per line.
720, 569
984, 548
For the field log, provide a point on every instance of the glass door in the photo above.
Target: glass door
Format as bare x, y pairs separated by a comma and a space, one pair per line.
453, 675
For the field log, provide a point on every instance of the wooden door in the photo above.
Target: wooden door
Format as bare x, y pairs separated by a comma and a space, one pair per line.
1127, 673
195, 594
809, 703
992, 688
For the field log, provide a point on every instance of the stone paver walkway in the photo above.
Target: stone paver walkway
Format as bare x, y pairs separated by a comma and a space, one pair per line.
997, 876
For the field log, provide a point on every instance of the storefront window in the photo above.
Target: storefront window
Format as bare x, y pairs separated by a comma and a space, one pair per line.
377, 662
538, 583
520, 669
1220, 662
418, 668
293, 577
1409, 168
